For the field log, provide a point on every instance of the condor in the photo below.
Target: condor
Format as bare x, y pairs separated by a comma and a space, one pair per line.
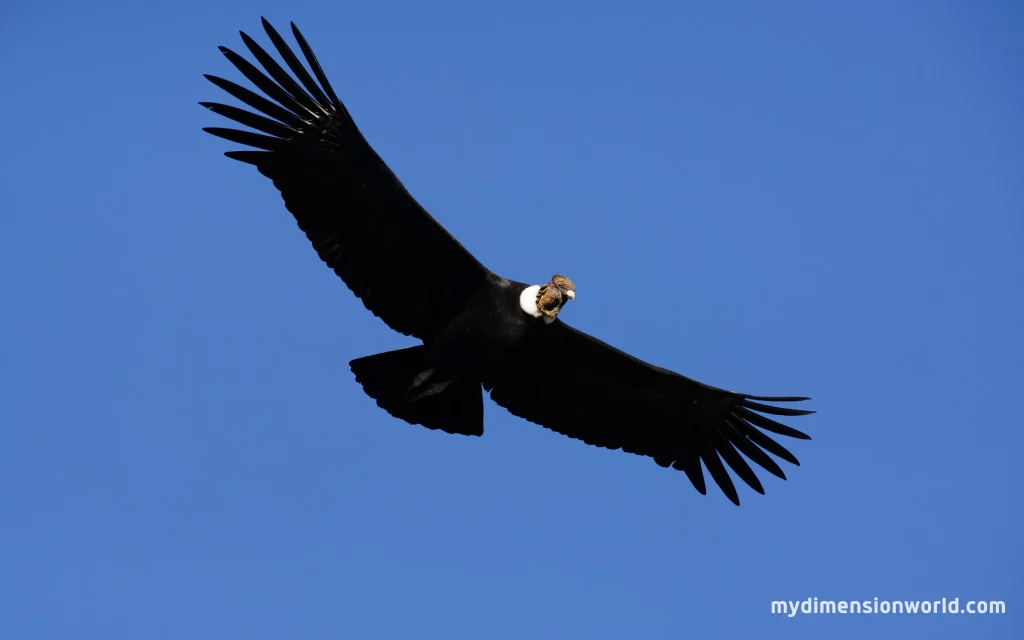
480, 332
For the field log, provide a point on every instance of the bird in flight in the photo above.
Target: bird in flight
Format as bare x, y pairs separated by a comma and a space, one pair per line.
480, 332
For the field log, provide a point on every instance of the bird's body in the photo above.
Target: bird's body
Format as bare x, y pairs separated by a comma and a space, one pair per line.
479, 331
486, 331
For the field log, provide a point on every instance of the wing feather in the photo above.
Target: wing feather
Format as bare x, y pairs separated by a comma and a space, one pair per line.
403, 265
573, 383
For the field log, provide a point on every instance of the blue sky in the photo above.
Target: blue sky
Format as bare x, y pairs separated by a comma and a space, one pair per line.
809, 198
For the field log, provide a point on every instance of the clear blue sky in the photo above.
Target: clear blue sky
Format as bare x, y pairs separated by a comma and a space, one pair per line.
810, 198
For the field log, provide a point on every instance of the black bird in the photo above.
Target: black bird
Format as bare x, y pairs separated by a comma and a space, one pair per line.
478, 329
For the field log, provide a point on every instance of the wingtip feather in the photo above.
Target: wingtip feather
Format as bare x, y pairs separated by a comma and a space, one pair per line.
776, 398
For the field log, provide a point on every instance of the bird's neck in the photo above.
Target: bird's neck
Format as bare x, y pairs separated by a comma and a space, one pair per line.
528, 303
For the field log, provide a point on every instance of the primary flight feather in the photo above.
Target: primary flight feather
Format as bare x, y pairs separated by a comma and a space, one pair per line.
479, 331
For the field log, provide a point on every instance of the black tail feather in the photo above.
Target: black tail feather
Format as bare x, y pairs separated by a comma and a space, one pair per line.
386, 377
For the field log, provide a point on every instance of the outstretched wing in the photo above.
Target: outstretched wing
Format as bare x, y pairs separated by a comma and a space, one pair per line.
573, 383
404, 266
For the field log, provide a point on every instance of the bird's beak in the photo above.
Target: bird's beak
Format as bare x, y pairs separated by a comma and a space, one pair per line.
571, 294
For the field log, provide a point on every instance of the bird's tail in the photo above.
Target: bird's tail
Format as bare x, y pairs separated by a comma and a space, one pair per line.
402, 383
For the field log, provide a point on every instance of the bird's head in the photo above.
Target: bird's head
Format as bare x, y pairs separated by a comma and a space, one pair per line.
546, 300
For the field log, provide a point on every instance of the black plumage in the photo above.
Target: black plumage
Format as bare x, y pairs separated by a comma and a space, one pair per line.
477, 328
